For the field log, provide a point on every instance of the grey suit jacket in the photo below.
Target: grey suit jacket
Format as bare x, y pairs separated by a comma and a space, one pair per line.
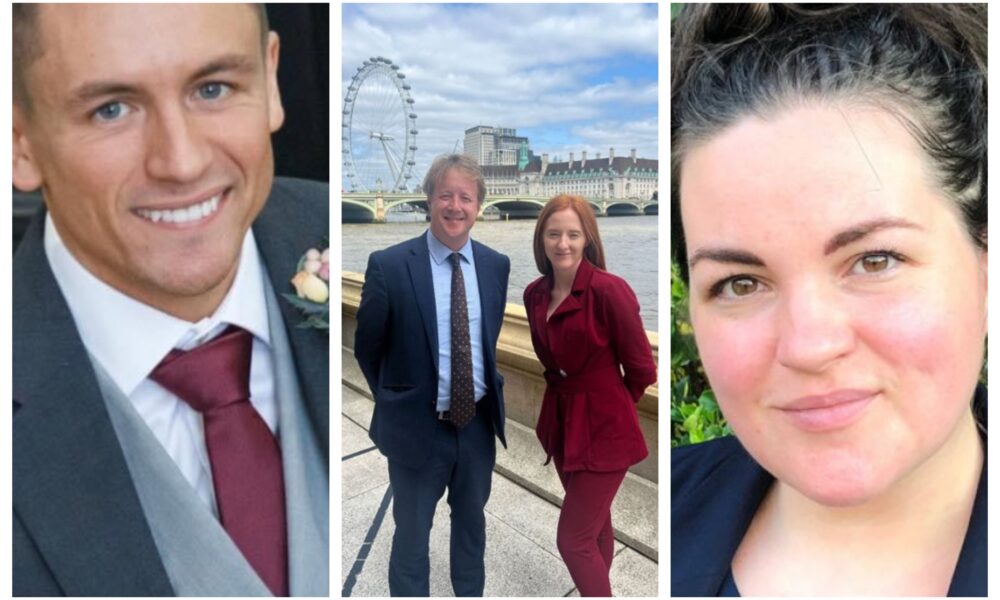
78, 527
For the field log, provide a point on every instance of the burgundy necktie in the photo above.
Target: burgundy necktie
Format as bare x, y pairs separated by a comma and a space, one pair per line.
214, 379
463, 394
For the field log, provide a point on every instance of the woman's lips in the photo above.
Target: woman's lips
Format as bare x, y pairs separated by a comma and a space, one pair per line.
828, 412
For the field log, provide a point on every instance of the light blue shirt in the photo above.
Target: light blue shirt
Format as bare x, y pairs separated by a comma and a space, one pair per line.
441, 273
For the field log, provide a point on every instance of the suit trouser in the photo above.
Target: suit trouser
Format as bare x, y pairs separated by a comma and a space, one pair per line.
461, 461
585, 537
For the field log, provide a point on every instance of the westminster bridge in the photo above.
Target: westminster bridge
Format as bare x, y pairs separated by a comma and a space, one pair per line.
372, 207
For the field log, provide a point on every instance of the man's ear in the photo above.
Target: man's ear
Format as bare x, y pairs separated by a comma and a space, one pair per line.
276, 113
26, 174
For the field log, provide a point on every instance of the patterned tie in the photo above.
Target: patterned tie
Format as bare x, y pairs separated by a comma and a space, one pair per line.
463, 397
214, 379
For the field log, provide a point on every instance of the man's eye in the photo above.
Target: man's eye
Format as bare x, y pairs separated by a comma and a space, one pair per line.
213, 91
111, 111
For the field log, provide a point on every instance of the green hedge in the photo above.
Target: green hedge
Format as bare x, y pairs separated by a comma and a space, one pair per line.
694, 413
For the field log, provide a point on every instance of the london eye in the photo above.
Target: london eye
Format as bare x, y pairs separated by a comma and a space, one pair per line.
379, 129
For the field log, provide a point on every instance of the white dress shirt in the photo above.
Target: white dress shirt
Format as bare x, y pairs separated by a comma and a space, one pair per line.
129, 339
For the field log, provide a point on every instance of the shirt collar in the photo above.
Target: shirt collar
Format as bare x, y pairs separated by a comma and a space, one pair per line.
129, 338
440, 252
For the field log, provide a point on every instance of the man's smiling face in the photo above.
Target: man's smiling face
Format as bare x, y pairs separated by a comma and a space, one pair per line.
454, 208
149, 134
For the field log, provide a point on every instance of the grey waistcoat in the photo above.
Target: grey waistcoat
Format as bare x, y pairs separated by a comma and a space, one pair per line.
199, 557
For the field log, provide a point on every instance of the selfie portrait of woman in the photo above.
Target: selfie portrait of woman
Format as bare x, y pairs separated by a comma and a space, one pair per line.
829, 217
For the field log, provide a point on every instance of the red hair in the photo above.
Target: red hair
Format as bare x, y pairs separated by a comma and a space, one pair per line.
593, 251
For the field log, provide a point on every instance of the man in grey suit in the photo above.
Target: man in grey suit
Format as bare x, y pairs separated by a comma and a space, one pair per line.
170, 429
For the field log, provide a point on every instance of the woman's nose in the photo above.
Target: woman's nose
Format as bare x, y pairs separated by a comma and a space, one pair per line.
814, 328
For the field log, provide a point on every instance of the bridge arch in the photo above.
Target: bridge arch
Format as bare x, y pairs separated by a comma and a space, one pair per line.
417, 201
355, 211
623, 208
515, 207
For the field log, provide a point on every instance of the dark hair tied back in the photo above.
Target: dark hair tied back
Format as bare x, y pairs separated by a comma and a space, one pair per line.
926, 63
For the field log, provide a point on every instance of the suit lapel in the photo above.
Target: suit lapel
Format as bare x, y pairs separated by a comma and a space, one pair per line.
486, 281
581, 282
283, 235
542, 295
419, 266
72, 489
570, 304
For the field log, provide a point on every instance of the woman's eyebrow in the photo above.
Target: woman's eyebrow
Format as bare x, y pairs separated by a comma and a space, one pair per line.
725, 255
857, 232
838, 241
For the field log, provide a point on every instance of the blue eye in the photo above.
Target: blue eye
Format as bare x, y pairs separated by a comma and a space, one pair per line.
111, 111
213, 91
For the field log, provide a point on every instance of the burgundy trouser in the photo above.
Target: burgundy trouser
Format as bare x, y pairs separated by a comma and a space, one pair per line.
585, 538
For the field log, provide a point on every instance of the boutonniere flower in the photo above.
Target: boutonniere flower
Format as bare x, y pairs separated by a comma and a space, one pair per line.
312, 288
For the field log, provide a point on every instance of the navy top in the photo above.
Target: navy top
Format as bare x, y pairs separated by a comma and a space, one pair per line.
728, 588
716, 488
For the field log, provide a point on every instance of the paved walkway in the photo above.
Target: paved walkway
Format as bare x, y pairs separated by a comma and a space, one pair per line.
521, 555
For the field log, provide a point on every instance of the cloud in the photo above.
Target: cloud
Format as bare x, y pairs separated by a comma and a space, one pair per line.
576, 76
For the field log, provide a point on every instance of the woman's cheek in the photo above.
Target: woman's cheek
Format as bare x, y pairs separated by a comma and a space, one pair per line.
903, 330
930, 347
737, 355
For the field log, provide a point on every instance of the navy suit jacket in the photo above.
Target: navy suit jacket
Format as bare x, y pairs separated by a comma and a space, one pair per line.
78, 527
396, 344
716, 488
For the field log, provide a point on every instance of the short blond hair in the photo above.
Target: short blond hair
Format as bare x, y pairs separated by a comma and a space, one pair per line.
446, 162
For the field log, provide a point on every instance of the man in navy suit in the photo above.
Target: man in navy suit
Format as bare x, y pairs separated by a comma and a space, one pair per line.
412, 358
147, 129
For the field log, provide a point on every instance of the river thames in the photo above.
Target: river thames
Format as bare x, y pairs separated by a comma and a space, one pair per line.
630, 248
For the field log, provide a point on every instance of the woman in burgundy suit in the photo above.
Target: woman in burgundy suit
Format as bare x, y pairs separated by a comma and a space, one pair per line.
585, 327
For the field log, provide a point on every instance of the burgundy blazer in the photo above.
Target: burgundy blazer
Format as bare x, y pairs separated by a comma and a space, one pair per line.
588, 415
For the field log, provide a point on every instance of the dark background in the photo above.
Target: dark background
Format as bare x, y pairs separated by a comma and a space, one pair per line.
302, 145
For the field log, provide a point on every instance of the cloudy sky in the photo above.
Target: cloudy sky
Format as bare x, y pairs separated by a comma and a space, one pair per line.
570, 77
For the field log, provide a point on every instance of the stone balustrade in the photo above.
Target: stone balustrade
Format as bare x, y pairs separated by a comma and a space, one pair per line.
523, 382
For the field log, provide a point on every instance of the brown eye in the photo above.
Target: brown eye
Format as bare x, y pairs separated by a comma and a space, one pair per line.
873, 263
737, 287
876, 263
743, 286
